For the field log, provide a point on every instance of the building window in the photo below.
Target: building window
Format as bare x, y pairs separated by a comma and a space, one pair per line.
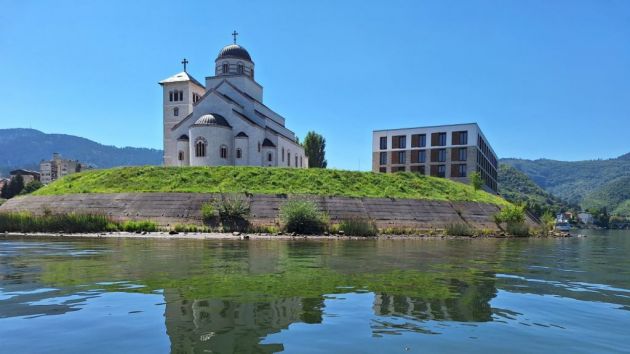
383, 158
252, 70
259, 146
460, 138
399, 142
282, 154
226, 68
383, 143
296, 160
401, 157
301, 161
223, 151
180, 156
441, 155
418, 140
441, 171
240, 68
239, 153
417, 169
461, 170
382, 169
438, 139
170, 96
269, 157
176, 111
200, 148
462, 154
418, 156
288, 159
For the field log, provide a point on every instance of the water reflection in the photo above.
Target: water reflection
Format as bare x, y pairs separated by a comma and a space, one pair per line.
371, 296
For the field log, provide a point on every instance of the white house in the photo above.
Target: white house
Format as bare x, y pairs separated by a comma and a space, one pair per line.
225, 121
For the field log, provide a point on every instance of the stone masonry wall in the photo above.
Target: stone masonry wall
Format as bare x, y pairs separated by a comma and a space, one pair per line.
172, 208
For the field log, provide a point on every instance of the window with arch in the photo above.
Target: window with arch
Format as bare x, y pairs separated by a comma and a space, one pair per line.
296, 161
259, 146
223, 152
269, 157
226, 68
180, 156
288, 159
239, 153
200, 147
176, 111
282, 154
300, 161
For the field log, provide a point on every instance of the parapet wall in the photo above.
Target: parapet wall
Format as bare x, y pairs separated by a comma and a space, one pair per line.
172, 208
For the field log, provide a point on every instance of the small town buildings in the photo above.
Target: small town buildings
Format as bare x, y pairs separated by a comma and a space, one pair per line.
56, 168
225, 121
449, 151
585, 218
28, 176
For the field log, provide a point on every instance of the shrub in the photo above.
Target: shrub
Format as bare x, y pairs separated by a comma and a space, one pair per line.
518, 229
511, 214
548, 222
459, 230
139, 226
358, 227
190, 228
233, 213
476, 181
209, 214
302, 216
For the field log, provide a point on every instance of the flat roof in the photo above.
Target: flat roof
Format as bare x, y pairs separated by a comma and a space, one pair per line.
425, 127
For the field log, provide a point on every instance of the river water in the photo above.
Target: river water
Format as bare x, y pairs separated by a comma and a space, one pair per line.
387, 296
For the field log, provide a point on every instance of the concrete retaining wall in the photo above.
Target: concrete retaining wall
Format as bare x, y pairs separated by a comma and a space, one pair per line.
172, 208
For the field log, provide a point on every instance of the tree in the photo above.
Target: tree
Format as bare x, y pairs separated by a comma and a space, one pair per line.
31, 187
315, 150
13, 188
476, 181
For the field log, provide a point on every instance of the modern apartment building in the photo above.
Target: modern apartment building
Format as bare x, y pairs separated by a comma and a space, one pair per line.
450, 151
56, 168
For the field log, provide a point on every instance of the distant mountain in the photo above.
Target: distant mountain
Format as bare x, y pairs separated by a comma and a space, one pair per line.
587, 183
517, 187
25, 148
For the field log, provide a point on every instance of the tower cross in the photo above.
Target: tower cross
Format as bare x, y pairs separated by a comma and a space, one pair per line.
234, 34
185, 61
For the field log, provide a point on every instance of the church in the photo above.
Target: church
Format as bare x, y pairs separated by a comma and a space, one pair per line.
225, 121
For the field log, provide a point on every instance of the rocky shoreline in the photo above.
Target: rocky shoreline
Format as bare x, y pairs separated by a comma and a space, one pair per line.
252, 236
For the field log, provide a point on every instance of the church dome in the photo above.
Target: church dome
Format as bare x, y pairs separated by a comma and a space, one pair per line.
212, 119
234, 51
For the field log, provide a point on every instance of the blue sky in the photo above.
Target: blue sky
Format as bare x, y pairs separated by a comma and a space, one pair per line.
542, 78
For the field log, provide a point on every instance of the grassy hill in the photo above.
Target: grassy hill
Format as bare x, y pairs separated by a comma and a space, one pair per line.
259, 180
517, 187
13, 153
576, 181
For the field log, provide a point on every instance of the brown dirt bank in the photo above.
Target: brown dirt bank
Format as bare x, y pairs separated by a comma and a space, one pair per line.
185, 208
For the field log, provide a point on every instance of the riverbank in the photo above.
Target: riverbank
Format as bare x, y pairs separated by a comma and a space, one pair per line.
252, 236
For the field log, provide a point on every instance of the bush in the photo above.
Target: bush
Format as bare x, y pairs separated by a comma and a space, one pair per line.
518, 229
358, 227
302, 216
459, 230
31, 187
233, 213
189, 228
511, 214
138, 226
548, 222
476, 181
209, 214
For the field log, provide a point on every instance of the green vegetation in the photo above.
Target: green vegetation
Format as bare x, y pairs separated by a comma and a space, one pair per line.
578, 182
259, 180
315, 150
358, 227
459, 230
70, 223
514, 217
614, 196
208, 214
303, 217
13, 188
548, 221
138, 226
31, 187
2, 201
476, 181
233, 212
518, 229
190, 228
517, 188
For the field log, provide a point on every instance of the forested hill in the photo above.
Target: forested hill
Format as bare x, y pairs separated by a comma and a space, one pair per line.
25, 148
587, 183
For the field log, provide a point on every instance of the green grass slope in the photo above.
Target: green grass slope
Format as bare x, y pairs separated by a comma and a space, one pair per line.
258, 180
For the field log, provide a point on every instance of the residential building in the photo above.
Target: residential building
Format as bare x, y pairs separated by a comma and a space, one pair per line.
56, 168
225, 121
28, 176
449, 151
585, 218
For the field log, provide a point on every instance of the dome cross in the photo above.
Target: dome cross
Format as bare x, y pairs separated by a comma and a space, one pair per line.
185, 61
234, 34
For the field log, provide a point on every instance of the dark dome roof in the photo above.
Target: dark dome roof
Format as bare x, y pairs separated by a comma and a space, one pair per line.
234, 51
212, 119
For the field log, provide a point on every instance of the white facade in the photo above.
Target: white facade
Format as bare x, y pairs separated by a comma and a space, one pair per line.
225, 122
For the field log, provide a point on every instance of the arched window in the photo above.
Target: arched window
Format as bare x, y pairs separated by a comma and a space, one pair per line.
239, 153
226, 68
288, 159
269, 157
200, 147
180, 156
282, 154
176, 111
223, 152
170, 96
300, 161
259, 146
240, 68
296, 161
